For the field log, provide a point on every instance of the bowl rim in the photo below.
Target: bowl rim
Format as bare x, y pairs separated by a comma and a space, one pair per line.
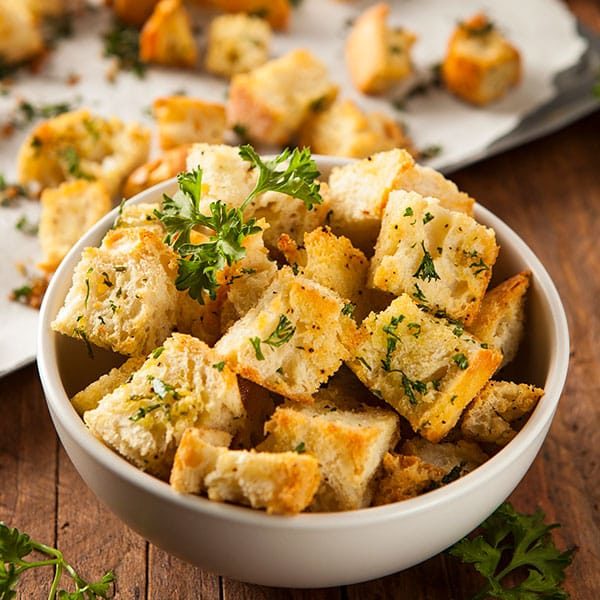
61, 409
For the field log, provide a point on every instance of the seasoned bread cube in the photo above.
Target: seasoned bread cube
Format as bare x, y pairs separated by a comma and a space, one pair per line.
140, 215
160, 169
488, 418
183, 120
480, 64
427, 368
442, 258
376, 55
167, 36
89, 397
348, 439
275, 12
271, 101
180, 385
20, 34
123, 294
501, 316
134, 12
454, 459
79, 145
359, 192
343, 129
293, 340
68, 211
237, 44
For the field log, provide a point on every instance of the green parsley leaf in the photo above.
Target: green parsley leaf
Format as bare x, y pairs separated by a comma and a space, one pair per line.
26, 227
348, 309
157, 352
426, 270
71, 159
255, 341
142, 411
282, 333
461, 361
408, 212
123, 43
300, 448
219, 366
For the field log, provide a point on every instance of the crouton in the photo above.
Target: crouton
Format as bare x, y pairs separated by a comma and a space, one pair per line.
167, 36
480, 64
442, 258
499, 404
140, 215
427, 368
293, 340
134, 12
237, 44
68, 211
180, 385
358, 193
501, 317
376, 55
349, 444
183, 120
454, 459
160, 169
79, 145
344, 129
275, 12
89, 397
20, 35
123, 294
271, 101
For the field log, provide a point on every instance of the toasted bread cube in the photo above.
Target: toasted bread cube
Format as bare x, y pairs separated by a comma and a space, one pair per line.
275, 12
488, 418
123, 294
142, 216
237, 44
20, 34
271, 102
90, 396
343, 129
376, 55
68, 211
348, 440
180, 385
442, 258
293, 340
134, 12
427, 368
454, 459
167, 37
79, 145
480, 64
501, 317
183, 120
160, 169
359, 192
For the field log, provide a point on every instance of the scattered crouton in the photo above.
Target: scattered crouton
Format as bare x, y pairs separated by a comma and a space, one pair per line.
237, 44
20, 34
275, 12
427, 368
480, 64
442, 258
134, 12
376, 55
501, 317
498, 405
68, 211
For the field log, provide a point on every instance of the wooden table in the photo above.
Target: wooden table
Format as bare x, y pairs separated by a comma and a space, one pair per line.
549, 192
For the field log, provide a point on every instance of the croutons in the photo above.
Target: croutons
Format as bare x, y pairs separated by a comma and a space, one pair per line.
488, 418
461, 457
20, 35
271, 102
183, 120
501, 317
180, 385
237, 44
89, 397
167, 36
442, 258
123, 294
275, 12
68, 211
343, 129
377, 56
349, 444
293, 340
480, 64
79, 145
134, 12
427, 368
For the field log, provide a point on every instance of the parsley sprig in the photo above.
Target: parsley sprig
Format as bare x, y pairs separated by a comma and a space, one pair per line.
282, 334
15, 546
511, 541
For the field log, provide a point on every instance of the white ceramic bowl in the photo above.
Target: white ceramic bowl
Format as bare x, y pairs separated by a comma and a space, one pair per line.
309, 550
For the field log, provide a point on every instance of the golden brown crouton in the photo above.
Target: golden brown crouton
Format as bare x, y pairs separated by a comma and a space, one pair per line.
377, 56
488, 418
427, 368
501, 316
480, 64
134, 12
20, 34
461, 457
275, 12
167, 36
